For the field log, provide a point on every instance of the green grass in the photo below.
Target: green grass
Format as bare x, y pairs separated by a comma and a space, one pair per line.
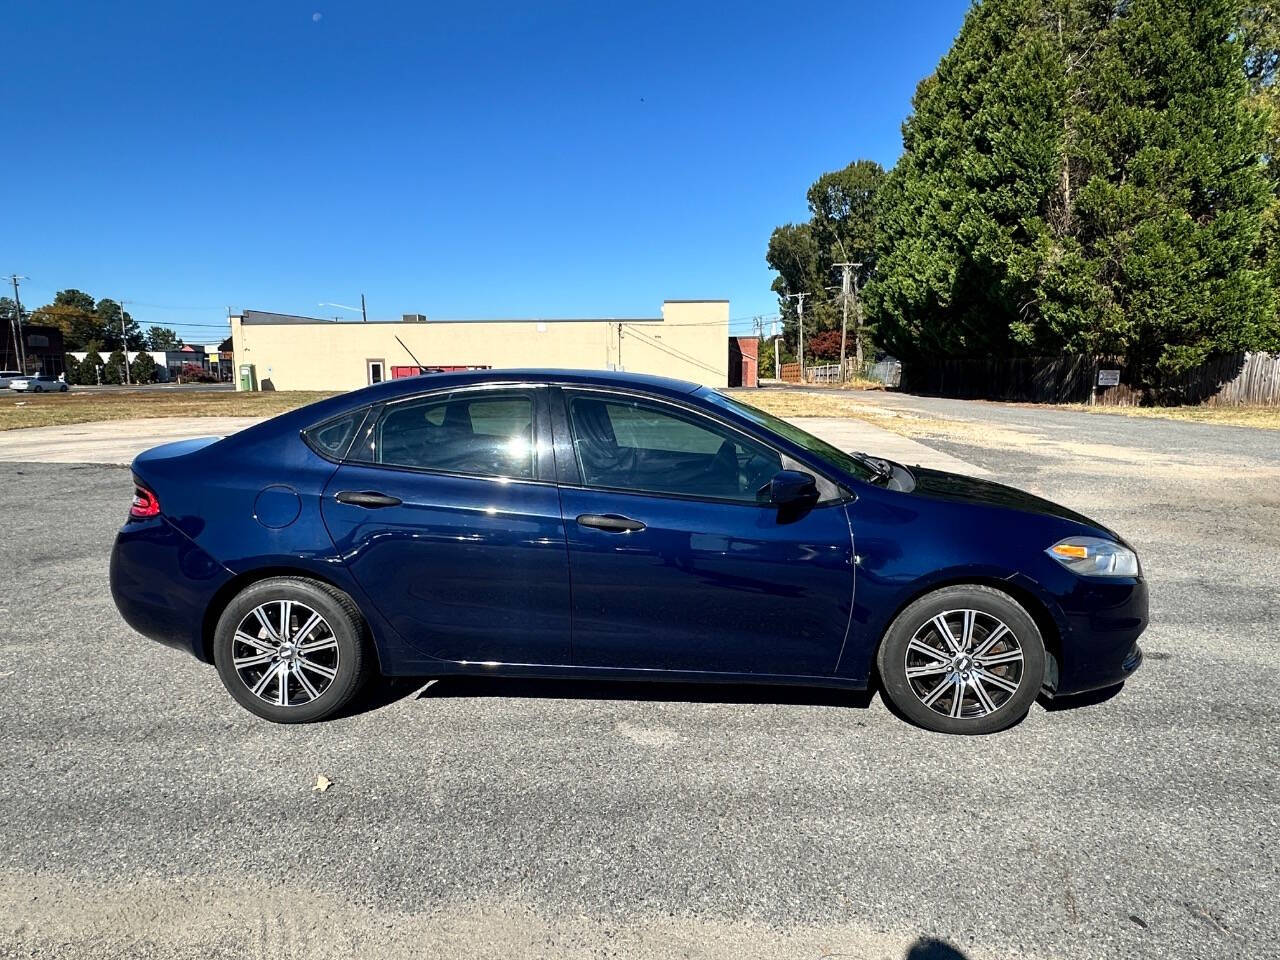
54, 409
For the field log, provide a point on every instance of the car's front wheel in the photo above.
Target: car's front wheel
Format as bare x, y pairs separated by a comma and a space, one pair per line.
963, 659
291, 650
37, 389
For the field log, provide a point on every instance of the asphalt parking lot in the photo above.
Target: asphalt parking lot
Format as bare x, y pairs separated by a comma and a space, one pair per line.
145, 814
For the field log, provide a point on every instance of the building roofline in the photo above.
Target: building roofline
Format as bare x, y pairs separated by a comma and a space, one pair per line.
264, 318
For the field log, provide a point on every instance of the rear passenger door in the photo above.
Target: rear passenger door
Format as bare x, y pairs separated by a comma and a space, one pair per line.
675, 563
449, 519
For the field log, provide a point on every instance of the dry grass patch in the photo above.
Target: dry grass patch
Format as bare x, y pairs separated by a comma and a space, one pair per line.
56, 409
803, 403
1266, 418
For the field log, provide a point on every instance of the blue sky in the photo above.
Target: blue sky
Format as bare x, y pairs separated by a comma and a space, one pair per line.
473, 159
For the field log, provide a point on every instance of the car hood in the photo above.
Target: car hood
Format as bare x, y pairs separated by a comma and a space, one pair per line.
941, 485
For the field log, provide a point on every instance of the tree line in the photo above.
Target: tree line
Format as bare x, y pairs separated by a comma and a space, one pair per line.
87, 323
1077, 176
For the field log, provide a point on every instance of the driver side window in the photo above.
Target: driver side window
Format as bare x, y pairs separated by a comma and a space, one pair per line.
625, 444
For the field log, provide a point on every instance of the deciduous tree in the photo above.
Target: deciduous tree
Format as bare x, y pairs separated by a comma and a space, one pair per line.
841, 227
162, 338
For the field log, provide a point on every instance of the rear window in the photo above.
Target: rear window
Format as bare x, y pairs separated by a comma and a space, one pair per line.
332, 437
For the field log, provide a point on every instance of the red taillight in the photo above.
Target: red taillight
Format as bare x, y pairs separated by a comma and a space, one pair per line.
145, 504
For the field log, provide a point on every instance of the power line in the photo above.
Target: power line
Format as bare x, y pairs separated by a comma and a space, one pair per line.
678, 354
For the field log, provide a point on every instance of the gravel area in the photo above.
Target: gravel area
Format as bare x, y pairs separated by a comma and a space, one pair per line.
147, 815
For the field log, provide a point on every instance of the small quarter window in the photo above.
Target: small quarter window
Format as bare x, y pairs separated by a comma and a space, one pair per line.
331, 438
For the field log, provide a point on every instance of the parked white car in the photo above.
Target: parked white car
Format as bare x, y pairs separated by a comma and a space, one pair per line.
7, 377
39, 383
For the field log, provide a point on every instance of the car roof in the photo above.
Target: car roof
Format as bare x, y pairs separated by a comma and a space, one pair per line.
408, 386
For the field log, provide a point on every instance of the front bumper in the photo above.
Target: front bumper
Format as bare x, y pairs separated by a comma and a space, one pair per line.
1100, 645
163, 584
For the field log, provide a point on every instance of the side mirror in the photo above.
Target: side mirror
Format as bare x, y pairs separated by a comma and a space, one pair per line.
790, 488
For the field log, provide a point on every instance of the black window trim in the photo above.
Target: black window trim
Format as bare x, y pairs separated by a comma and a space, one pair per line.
563, 421
543, 475
361, 415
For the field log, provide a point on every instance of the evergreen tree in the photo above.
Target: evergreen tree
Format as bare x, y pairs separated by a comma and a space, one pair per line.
1080, 176
71, 369
113, 369
88, 370
144, 368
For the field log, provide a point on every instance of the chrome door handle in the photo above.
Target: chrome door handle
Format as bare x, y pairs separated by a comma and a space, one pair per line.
611, 522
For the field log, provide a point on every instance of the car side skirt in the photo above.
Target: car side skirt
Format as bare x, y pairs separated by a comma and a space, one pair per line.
437, 668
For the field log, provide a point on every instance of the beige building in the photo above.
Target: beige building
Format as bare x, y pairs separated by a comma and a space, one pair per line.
689, 341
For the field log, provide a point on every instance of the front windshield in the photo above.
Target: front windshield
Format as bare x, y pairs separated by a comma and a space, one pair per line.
833, 455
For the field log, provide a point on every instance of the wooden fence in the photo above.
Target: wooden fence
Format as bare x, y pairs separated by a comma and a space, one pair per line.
1229, 379
887, 372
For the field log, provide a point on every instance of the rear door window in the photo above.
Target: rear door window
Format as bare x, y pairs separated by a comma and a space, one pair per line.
487, 434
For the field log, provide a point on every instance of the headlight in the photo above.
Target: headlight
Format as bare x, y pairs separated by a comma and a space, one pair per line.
1095, 557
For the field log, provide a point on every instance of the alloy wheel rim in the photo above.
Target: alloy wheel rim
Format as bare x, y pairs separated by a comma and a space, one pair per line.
964, 664
285, 653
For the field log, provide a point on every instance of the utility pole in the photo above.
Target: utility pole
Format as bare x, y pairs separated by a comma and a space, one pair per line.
799, 299
847, 271
15, 323
777, 353
857, 322
364, 315
124, 340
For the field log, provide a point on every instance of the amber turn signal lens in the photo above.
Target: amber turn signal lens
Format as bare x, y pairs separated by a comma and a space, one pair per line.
1072, 551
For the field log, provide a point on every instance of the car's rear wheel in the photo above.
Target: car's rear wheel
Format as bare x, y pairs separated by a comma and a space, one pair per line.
291, 650
963, 659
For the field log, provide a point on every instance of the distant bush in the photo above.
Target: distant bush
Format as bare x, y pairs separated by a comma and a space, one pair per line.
194, 373
144, 369
113, 369
825, 346
71, 369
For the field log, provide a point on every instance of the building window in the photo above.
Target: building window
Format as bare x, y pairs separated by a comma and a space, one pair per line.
377, 371
37, 340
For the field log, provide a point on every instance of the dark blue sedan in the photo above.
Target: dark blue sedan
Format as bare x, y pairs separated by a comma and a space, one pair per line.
595, 525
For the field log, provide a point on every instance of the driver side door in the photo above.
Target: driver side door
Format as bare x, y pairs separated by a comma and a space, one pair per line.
675, 564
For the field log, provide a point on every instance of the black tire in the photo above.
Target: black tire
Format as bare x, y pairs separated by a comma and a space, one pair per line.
350, 658
37, 389
965, 677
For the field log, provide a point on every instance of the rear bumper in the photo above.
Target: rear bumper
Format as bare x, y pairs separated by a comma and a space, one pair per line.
162, 583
